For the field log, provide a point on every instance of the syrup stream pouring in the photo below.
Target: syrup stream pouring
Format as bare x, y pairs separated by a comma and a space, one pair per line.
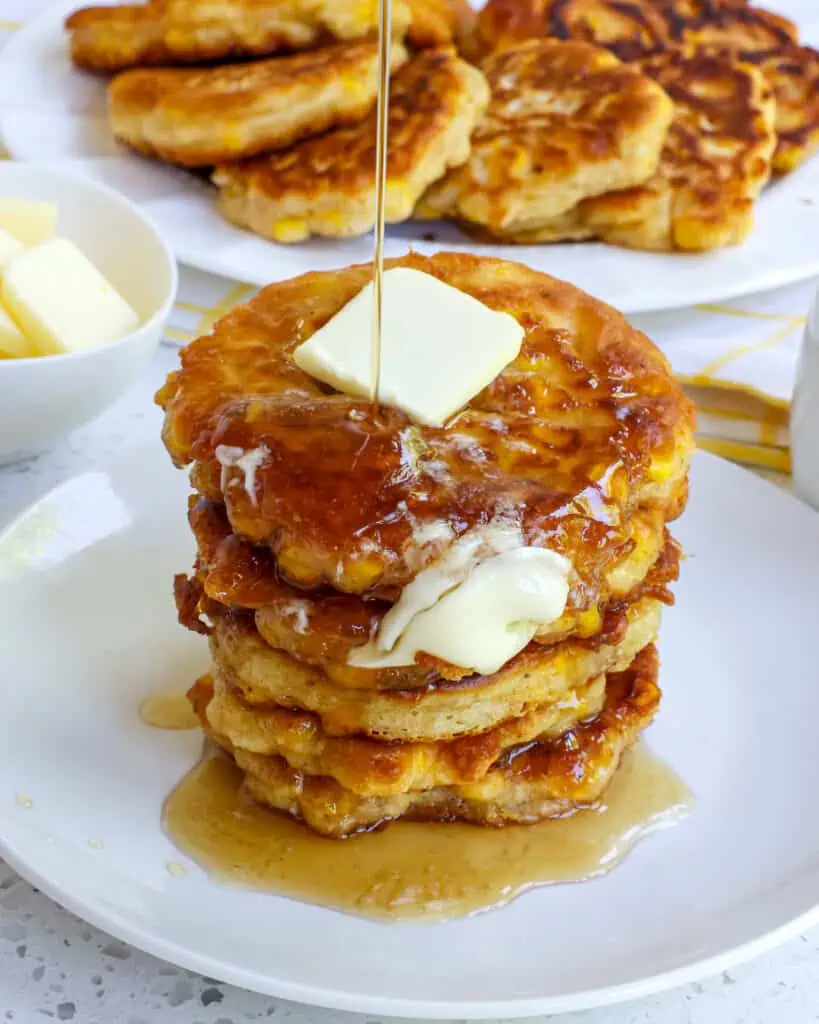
382, 122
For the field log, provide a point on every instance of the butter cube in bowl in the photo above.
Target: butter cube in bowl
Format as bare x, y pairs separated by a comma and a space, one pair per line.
86, 288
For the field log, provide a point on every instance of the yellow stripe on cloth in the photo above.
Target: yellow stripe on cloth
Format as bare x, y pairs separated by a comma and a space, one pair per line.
697, 380
749, 314
771, 426
756, 455
232, 298
179, 336
191, 307
771, 341
742, 427
739, 406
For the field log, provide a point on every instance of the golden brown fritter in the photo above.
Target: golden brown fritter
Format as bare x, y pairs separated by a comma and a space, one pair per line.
566, 227
639, 28
632, 29
793, 73
442, 709
201, 116
586, 425
171, 32
733, 26
326, 186
770, 42
565, 121
437, 22
526, 784
372, 768
716, 160
322, 627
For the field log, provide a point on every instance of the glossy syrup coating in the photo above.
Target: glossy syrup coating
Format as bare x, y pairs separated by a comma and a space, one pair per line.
309, 638
585, 425
322, 626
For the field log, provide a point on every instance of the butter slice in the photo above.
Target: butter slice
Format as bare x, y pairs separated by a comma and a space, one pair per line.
487, 617
61, 301
439, 346
9, 248
30, 221
12, 340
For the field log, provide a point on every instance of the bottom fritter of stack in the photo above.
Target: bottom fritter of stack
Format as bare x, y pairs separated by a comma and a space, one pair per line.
548, 762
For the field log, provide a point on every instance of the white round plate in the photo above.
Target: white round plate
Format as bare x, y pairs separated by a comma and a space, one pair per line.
50, 111
88, 629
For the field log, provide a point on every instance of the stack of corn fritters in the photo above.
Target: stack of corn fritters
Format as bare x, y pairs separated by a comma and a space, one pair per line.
312, 516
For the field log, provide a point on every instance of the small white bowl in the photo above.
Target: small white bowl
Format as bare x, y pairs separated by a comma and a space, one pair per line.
42, 399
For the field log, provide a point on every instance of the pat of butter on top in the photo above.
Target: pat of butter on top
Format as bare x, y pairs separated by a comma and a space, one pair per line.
61, 302
439, 346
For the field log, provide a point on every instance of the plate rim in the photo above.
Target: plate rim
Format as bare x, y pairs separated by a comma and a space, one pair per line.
98, 914
209, 260
334, 999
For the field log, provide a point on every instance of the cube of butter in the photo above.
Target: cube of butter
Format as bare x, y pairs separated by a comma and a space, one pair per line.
9, 247
12, 340
61, 301
439, 346
30, 221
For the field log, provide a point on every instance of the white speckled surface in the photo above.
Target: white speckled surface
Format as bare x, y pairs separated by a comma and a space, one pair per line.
53, 965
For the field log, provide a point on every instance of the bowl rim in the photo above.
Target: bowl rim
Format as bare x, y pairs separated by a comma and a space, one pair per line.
157, 319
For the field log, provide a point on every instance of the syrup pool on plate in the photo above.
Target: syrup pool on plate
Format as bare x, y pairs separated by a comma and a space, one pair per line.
412, 869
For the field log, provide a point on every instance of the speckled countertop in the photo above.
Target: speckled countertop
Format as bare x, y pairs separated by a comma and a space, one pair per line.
53, 965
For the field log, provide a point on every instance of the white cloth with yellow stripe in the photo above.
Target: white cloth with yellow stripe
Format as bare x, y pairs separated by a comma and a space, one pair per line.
738, 358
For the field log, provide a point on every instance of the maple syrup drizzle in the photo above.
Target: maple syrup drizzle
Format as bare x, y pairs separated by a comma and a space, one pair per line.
413, 870
382, 130
168, 709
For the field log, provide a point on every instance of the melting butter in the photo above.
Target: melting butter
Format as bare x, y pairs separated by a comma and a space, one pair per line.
476, 607
248, 462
